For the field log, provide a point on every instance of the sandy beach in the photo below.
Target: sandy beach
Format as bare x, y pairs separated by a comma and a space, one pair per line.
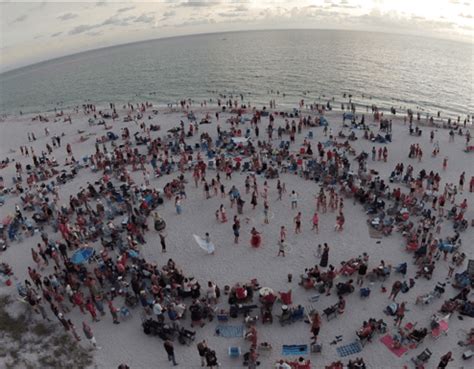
232, 262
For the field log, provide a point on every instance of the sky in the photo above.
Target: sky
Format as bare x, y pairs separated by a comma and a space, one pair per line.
34, 31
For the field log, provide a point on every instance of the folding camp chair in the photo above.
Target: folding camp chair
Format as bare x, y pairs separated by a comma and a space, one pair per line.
234, 351
285, 298
422, 358
223, 316
125, 313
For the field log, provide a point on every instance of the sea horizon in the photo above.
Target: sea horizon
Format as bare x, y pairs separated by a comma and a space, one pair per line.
40, 87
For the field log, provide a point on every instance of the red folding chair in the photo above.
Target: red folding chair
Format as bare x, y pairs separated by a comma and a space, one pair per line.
285, 297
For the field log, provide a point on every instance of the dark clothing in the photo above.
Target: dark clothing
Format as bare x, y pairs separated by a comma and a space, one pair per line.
169, 348
170, 351
324, 259
362, 269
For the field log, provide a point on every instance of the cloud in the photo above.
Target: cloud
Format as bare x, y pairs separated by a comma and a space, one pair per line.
241, 8
67, 16
56, 34
228, 15
21, 18
462, 15
101, 3
145, 19
196, 22
82, 28
198, 4
94, 33
169, 13
122, 10
111, 21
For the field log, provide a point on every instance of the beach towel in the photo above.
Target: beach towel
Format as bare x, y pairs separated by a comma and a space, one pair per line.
387, 340
295, 350
350, 349
373, 233
442, 328
230, 331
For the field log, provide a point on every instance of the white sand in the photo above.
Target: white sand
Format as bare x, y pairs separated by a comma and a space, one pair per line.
240, 263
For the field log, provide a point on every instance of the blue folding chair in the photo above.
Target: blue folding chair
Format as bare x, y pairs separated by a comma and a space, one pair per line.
234, 351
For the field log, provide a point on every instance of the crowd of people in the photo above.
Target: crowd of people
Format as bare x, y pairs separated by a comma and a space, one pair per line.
90, 257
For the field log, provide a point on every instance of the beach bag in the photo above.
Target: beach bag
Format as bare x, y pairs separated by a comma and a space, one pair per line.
365, 292
405, 287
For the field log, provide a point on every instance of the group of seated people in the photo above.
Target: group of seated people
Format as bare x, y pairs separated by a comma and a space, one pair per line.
357, 363
366, 332
240, 293
300, 363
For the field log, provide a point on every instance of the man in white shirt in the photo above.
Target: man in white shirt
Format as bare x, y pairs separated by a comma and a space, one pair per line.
158, 311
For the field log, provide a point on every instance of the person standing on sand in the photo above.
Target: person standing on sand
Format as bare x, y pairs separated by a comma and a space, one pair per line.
445, 359
400, 314
177, 204
281, 248
202, 350
324, 257
265, 211
315, 327
168, 345
89, 335
162, 241
114, 312
396, 288
73, 330
283, 233
253, 201
362, 271
236, 229
294, 199
315, 222
461, 181
297, 221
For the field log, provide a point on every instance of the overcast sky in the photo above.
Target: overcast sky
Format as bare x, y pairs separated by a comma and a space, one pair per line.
35, 31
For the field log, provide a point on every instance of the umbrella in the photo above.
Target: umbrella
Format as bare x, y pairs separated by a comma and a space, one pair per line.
82, 255
265, 291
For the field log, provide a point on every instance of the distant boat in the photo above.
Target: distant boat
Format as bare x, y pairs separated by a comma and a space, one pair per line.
224, 39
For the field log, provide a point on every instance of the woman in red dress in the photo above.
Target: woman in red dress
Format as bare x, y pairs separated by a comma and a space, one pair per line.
256, 239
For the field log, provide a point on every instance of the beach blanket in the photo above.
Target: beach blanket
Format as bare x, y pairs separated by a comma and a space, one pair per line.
296, 350
350, 349
206, 246
230, 331
387, 340
373, 233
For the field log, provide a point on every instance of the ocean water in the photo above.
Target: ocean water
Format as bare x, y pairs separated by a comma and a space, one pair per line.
376, 68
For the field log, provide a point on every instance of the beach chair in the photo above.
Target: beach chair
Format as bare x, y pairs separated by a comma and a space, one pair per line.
330, 312
234, 351
467, 354
285, 298
316, 348
223, 316
422, 358
125, 313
